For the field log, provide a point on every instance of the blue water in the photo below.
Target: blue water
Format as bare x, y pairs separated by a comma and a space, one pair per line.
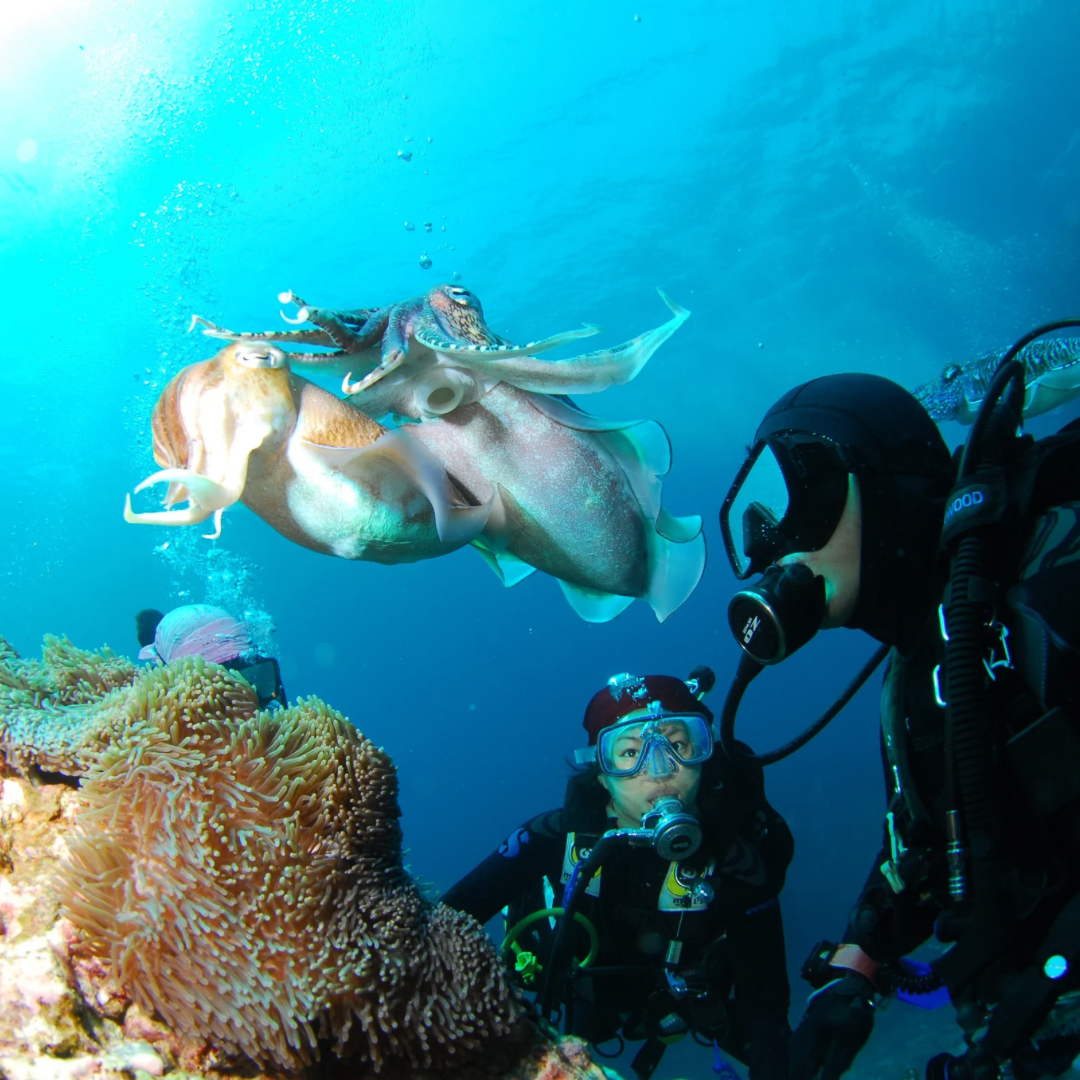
828, 186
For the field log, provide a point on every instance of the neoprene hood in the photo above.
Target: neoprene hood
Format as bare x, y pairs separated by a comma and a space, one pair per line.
904, 470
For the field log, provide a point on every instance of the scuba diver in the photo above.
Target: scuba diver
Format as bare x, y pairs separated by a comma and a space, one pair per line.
212, 633
668, 861
852, 509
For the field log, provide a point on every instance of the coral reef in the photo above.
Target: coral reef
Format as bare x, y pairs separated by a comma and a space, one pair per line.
242, 872
52, 709
232, 893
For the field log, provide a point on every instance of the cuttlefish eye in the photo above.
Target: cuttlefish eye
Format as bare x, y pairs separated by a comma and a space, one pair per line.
460, 296
951, 372
261, 355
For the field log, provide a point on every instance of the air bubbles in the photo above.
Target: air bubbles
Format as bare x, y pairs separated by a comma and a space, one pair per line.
405, 155
410, 227
427, 226
425, 261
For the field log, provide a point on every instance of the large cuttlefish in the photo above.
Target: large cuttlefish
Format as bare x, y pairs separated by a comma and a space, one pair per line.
242, 428
529, 479
1051, 378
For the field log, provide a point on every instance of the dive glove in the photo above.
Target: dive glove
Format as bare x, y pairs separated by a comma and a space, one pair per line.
834, 1029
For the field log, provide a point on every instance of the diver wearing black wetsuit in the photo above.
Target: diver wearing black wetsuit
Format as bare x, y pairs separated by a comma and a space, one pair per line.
982, 835
723, 944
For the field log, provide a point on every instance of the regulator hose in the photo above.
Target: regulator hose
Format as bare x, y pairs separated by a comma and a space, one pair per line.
580, 877
973, 738
747, 671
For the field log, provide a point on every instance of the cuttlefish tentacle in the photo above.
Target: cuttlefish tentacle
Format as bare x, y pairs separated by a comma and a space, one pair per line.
452, 321
296, 337
502, 351
590, 372
395, 346
351, 331
240, 398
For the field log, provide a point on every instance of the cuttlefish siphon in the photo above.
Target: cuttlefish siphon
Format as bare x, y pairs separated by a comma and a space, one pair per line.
241, 427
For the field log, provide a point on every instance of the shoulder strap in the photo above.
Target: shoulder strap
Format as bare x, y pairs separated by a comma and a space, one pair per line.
893, 734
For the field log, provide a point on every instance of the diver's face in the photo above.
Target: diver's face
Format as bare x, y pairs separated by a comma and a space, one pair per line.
838, 562
632, 796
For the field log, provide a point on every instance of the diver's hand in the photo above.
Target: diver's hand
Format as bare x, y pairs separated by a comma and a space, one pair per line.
835, 1028
976, 1064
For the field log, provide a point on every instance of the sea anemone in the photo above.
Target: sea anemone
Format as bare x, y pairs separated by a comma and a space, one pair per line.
242, 873
52, 709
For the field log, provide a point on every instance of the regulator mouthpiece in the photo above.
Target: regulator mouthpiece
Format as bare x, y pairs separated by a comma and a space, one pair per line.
778, 614
675, 833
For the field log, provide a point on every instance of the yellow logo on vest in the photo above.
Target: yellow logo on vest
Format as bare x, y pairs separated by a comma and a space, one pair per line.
681, 892
573, 856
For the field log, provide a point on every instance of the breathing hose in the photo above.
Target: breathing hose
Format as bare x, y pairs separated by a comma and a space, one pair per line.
522, 925
582, 874
747, 671
981, 494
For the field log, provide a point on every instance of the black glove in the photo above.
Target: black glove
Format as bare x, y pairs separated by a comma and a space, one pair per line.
834, 1029
976, 1064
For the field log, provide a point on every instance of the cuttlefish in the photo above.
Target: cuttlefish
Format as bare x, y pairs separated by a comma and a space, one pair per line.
572, 495
242, 427
424, 357
530, 480
1051, 377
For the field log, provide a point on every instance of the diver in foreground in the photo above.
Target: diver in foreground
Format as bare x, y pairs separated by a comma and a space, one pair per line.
851, 508
668, 862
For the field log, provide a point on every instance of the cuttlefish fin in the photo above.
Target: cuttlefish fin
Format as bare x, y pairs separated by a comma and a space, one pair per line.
590, 372
502, 350
593, 606
642, 450
509, 569
641, 447
456, 523
677, 557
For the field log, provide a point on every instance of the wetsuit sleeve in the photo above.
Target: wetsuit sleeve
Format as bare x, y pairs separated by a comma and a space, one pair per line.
887, 925
762, 993
523, 858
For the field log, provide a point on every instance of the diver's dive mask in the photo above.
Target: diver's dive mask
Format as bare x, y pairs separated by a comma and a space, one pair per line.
788, 496
652, 741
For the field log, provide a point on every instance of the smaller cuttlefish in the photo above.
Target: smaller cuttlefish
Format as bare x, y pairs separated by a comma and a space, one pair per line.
241, 427
1051, 376
424, 357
